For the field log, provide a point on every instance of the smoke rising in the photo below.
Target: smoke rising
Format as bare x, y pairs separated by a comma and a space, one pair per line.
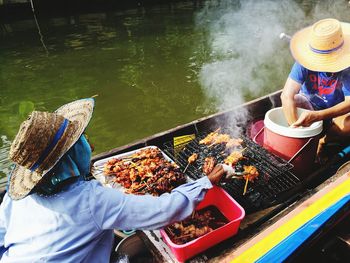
247, 57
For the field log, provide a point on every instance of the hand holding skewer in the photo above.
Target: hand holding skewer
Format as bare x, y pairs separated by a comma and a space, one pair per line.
216, 175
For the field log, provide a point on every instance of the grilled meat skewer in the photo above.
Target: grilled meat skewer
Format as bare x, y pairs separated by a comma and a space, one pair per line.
190, 160
209, 164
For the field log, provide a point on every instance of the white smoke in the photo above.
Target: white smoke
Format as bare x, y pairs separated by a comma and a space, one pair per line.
247, 57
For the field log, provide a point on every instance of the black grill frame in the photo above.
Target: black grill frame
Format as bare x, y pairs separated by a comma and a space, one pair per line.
274, 181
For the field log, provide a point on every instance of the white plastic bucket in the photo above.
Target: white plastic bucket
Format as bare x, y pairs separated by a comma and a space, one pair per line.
296, 145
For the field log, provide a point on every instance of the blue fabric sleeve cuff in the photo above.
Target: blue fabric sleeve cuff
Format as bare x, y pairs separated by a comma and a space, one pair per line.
205, 182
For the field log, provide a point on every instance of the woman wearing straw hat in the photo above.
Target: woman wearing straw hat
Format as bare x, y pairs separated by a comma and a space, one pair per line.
52, 214
320, 77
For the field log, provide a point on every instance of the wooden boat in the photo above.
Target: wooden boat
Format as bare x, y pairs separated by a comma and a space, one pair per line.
313, 213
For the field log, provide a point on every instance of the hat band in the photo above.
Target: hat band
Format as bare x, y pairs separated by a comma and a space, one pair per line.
53, 143
320, 51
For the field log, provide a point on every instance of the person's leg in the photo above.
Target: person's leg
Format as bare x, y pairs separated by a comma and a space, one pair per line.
340, 129
338, 132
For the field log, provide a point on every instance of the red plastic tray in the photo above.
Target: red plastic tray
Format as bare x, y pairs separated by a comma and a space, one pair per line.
228, 207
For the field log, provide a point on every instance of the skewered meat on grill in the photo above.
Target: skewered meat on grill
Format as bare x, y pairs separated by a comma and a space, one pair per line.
233, 158
221, 138
192, 158
198, 224
234, 142
216, 138
146, 171
250, 172
209, 138
209, 164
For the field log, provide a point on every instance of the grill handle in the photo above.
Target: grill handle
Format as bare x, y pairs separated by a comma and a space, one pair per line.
300, 150
256, 136
255, 139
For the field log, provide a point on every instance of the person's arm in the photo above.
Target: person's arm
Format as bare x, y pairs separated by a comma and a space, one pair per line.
111, 208
309, 117
3, 225
291, 88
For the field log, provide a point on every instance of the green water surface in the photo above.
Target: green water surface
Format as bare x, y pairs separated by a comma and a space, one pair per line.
143, 64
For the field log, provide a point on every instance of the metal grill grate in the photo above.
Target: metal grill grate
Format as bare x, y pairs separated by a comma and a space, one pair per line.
275, 177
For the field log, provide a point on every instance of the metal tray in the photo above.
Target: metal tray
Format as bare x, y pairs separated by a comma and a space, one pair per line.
97, 170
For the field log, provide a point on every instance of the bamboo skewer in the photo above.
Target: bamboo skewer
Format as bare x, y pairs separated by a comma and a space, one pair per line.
186, 167
246, 185
243, 149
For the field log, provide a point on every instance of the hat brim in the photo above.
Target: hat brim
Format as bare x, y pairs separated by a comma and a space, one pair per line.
333, 62
79, 113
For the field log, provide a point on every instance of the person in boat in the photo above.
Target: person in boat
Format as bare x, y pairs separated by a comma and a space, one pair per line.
320, 78
51, 213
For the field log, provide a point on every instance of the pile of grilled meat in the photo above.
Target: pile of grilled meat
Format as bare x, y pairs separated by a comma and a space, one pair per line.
146, 171
198, 224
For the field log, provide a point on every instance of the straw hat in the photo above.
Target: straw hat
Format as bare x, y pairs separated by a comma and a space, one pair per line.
323, 47
42, 140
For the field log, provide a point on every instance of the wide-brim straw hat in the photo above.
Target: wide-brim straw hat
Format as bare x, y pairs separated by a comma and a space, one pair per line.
323, 47
41, 142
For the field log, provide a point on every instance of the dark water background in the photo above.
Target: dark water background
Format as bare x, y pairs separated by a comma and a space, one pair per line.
143, 63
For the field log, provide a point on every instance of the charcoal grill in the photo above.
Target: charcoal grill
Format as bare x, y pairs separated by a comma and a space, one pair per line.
274, 180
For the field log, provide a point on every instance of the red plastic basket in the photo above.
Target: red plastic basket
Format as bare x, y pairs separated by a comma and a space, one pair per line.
228, 207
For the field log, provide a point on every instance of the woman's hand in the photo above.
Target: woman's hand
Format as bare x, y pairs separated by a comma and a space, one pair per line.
216, 175
306, 119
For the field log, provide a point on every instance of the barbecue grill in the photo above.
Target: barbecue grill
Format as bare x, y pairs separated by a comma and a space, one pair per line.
274, 181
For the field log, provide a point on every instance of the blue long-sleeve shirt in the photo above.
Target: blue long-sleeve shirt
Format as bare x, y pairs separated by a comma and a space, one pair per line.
77, 224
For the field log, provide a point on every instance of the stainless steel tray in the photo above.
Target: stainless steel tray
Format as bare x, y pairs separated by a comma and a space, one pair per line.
98, 166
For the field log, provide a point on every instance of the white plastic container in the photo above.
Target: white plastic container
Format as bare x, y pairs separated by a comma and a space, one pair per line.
296, 145
276, 122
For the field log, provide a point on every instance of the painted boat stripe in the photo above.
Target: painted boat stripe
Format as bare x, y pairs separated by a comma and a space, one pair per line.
262, 247
287, 247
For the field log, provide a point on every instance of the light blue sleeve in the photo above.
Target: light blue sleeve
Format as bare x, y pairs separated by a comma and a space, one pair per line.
298, 73
346, 82
3, 225
113, 209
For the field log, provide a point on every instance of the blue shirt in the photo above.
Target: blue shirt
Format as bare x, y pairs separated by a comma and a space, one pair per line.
77, 225
323, 90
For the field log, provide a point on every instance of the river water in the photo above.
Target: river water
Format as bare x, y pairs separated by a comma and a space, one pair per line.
152, 68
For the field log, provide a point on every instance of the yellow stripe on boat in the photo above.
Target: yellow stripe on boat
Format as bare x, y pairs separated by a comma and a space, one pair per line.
274, 238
